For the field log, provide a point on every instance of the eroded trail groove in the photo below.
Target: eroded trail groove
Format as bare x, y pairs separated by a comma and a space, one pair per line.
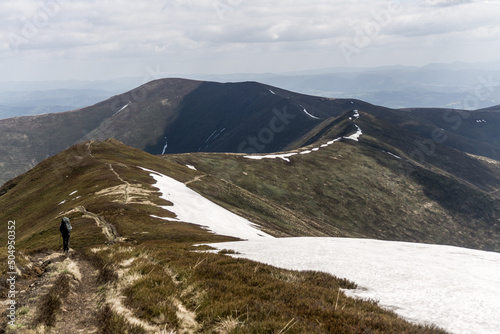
108, 229
74, 312
79, 310
196, 178
126, 184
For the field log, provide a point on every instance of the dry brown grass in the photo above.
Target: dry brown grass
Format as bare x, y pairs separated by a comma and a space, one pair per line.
51, 302
230, 295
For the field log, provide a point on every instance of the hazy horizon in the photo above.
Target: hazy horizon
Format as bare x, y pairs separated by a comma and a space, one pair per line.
111, 39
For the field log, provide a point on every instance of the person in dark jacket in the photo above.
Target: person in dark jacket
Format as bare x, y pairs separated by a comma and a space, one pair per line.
65, 229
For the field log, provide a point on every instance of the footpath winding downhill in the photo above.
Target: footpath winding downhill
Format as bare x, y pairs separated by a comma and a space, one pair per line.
76, 313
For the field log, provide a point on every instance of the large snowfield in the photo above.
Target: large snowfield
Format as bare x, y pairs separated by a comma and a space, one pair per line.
455, 288
191, 207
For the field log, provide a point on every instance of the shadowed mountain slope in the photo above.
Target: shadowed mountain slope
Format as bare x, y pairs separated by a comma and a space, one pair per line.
170, 115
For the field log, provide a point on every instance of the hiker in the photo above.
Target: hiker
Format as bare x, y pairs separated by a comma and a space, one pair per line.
65, 229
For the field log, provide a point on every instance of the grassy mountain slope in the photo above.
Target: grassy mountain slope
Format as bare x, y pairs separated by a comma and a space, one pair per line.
148, 276
372, 188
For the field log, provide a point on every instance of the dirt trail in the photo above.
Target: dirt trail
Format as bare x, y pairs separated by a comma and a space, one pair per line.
126, 184
89, 149
188, 323
196, 178
77, 313
108, 229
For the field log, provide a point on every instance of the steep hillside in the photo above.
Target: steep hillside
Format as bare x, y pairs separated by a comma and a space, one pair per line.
170, 115
474, 132
134, 267
25, 141
369, 187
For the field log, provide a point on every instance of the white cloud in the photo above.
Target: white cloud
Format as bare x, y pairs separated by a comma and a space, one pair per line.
446, 3
237, 35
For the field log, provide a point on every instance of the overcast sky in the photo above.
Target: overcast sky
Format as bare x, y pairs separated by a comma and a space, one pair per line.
105, 39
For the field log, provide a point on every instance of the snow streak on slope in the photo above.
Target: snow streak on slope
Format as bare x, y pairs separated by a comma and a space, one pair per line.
165, 147
191, 207
285, 156
308, 114
356, 135
451, 287
125, 106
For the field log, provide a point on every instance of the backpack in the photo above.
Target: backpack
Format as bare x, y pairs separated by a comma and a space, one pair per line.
65, 226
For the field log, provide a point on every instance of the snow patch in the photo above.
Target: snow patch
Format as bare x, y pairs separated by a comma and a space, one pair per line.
125, 106
74, 192
451, 287
356, 135
62, 202
333, 141
283, 156
394, 155
191, 207
191, 167
272, 92
210, 136
308, 114
165, 147
480, 121
218, 134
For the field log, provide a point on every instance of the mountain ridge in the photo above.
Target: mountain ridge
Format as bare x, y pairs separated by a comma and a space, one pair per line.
178, 115
346, 182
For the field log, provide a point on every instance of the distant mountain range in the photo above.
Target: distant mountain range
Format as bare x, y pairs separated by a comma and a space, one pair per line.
457, 85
